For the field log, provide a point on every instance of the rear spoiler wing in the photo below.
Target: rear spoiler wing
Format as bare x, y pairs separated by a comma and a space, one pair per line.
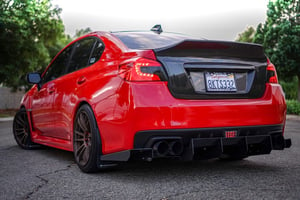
214, 49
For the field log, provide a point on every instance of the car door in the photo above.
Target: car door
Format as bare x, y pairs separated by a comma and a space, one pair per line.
67, 86
42, 103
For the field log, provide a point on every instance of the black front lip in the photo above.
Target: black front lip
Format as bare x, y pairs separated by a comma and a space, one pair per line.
206, 148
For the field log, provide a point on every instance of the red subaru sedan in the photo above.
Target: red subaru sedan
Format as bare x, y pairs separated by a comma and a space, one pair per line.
118, 96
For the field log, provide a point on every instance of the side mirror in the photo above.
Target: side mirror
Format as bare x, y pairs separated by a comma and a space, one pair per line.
34, 78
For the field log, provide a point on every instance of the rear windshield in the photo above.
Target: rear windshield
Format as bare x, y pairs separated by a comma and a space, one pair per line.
149, 40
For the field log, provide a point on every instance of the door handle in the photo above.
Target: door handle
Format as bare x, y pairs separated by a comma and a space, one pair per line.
51, 90
81, 80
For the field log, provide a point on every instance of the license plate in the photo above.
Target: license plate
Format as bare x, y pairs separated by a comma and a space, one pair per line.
220, 82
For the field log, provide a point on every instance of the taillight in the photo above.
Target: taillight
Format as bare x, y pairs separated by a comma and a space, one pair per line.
142, 69
271, 73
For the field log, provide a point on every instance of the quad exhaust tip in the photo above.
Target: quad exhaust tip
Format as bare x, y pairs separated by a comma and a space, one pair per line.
161, 148
176, 148
165, 148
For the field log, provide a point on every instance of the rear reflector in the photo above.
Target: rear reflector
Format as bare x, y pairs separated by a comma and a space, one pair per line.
230, 134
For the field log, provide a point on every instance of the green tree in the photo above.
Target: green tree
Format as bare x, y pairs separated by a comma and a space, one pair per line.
247, 35
280, 36
82, 32
31, 33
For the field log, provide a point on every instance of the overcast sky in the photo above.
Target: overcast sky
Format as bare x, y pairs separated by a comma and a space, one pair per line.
211, 19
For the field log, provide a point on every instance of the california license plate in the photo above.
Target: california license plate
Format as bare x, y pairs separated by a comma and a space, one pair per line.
220, 82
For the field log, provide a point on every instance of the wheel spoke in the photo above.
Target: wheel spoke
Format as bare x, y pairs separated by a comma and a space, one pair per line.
79, 140
20, 132
89, 139
86, 155
82, 122
78, 133
20, 121
80, 150
23, 139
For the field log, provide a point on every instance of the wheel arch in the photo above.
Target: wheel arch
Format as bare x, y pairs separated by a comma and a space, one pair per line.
81, 103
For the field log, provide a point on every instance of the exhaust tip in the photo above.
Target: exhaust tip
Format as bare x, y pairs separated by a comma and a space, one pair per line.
176, 148
161, 148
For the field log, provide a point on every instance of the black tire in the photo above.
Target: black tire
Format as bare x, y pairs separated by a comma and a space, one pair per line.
22, 132
86, 141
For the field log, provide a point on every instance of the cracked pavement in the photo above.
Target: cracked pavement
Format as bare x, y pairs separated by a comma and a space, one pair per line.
52, 174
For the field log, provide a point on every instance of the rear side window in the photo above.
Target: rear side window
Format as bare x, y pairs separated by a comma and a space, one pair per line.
81, 54
97, 52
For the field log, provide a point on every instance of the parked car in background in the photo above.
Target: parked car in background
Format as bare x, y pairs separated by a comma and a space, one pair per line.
117, 96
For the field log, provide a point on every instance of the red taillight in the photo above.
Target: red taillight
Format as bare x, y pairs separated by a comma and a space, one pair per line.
141, 69
271, 73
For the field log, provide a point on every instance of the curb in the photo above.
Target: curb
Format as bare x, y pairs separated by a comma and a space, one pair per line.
293, 117
6, 119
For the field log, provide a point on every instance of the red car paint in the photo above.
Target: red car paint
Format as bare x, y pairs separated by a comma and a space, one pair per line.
122, 108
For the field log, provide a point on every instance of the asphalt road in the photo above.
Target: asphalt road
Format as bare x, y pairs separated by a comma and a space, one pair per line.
52, 174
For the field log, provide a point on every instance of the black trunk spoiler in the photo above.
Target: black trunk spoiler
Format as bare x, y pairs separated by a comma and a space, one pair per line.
214, 49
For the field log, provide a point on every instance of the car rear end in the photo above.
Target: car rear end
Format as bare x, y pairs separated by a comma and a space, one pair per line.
200, 99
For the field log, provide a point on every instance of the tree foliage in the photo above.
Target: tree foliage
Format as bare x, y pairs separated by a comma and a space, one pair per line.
280, 36
82, 32
247, 35
31, 33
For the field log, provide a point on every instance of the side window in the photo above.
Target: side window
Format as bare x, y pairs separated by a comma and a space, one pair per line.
97, 52
81, 55
58, 67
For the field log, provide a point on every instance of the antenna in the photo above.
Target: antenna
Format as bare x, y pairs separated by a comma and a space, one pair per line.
157, 29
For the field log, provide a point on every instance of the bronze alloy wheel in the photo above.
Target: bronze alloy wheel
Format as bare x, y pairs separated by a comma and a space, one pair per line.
86, 140
82, 138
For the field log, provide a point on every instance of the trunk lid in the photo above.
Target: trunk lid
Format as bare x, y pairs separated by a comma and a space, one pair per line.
214, 69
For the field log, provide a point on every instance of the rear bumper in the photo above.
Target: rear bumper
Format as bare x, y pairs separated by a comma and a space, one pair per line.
148, 107
195, 145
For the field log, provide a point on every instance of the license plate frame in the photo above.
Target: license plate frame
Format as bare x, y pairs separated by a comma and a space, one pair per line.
220, 82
